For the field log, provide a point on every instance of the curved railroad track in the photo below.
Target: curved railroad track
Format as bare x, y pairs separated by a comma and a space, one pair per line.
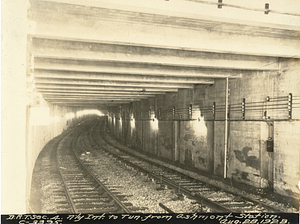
80, 189
219, 200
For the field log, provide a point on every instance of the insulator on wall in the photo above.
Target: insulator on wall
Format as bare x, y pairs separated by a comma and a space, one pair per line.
173, 113
214, 110
159, 113
190, 112
290, 102
243, 109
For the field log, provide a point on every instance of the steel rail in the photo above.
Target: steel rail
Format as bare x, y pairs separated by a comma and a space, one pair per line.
165, 208
89, 172
119, 203
69, 198
217, 206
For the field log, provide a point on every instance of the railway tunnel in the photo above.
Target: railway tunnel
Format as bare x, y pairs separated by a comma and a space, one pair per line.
207, 87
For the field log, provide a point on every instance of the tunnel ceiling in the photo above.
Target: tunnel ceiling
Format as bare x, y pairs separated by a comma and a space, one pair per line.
103, 55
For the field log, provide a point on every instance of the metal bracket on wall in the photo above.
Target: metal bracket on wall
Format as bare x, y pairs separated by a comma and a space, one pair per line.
243, 109
290, 103
214, 110
270, 140
173, 113
190, 111
265, 114
159, 114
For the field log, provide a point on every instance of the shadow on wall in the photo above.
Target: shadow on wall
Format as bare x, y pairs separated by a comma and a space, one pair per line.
243, 157
247, 169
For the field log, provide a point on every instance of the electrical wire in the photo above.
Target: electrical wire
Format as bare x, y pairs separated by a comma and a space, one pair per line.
245, 8
250, 110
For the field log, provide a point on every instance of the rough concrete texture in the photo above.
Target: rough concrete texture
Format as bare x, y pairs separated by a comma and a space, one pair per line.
149, 138
39, 135
200, 145
219, 148
244, 152
165, 139
139, 133
286, 157
196, 144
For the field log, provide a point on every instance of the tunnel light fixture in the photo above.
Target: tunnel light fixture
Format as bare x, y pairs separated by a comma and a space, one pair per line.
219, 4
154, 124
132, 122
200, 127
201, 118
132, 116
267, 8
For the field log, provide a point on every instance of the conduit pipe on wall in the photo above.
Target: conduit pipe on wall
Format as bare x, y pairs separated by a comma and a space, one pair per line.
226, 128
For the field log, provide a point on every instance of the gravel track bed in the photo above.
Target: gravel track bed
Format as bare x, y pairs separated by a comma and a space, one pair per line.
137, 188
216, 195
49, 183
219, 184
140, 190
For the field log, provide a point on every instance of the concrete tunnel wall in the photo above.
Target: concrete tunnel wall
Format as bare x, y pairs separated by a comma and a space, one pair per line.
38, 134
200, 145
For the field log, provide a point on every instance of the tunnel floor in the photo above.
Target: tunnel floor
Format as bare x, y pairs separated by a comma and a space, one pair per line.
40, 202
261, 194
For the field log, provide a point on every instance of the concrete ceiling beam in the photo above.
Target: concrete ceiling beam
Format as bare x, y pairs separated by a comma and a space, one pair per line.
93, 100
87, 92
83, 102
111, 83
214, 34
113, 77
129, 71
108, 97
103, 88
87, 106
55, 49
95, 94
100, 103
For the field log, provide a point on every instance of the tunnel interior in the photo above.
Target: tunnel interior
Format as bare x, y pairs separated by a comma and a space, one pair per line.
190, 85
